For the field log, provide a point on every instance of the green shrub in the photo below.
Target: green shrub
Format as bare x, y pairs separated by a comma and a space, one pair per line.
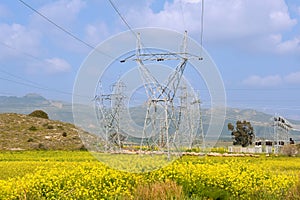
50, 127
42, 146
32, 128
40, 114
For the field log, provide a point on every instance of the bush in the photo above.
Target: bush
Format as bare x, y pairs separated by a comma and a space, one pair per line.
50, 127
42, 146
40, 114
83, 148
32, 128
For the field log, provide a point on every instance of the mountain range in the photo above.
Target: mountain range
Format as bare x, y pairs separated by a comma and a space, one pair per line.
62, 111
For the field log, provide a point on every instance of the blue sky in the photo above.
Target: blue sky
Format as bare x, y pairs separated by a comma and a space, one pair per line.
255, 44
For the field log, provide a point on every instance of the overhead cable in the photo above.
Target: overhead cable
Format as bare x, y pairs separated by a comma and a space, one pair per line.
63, 29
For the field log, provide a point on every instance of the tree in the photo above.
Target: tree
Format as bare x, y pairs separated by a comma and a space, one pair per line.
40, 114
243, 133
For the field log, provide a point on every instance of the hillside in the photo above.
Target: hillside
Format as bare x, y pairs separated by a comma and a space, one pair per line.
22, 132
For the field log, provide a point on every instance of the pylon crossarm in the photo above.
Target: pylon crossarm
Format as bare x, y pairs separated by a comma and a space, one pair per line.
161, 57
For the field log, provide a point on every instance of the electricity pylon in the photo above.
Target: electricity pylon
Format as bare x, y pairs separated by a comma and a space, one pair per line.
190, 119
281, 132
109, 112
160, 131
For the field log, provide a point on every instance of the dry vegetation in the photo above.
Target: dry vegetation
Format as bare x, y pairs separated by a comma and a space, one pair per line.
159, 190
23, 132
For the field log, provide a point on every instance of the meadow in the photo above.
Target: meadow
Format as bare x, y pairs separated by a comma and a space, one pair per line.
78, 175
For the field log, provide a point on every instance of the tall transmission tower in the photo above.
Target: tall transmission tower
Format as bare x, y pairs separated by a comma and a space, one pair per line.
109, 112
281, 132
190, 119
196, 106
161, 124
184, 123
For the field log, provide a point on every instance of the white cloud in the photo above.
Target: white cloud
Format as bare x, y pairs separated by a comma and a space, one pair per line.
274, 43
272, 80
289, 46
63, 12
52, 65
280, 19
28, 38
95, 33
223, 18
248, 24
274, 39
293, 77
267, 81
20, 39
56, 65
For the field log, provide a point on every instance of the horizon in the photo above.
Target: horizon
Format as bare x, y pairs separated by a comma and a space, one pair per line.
138, 105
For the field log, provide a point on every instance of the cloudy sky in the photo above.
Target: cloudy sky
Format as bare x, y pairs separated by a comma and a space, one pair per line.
255, 44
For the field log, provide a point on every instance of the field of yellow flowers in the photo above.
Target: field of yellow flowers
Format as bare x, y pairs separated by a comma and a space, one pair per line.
78, 175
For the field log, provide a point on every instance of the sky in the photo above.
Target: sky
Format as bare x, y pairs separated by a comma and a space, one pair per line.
255, 44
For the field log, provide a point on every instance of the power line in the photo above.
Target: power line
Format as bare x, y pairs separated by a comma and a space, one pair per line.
15, 49
120, 15
18, 77
21, 83
36, 85
182, 14
253, 89
32, 83
26, 54
128, 26
202, 23
58, 26
63, 29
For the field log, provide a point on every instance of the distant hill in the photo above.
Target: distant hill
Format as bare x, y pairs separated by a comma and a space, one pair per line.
62, 111
22, 132
261, 122
56, 110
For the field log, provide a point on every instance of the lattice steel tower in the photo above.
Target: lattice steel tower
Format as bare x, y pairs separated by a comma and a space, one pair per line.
109, 112
190, 119
281, 132
161, 124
